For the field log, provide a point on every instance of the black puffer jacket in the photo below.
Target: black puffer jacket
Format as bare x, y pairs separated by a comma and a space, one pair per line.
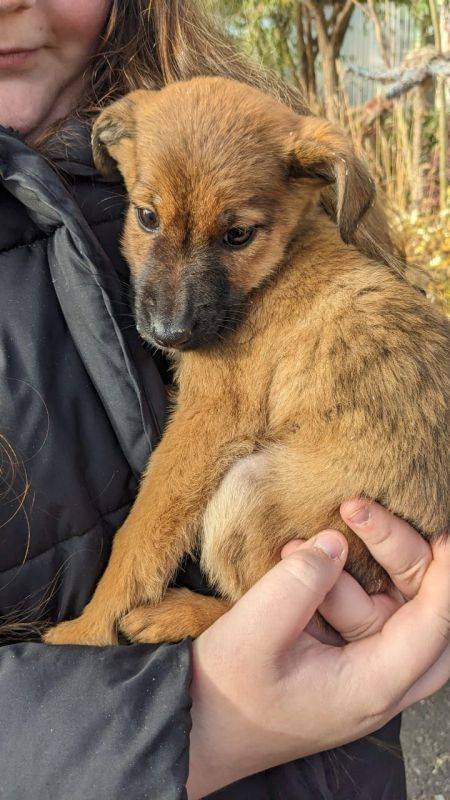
81, 406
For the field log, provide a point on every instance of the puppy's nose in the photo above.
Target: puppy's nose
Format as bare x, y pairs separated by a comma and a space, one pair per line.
167, 335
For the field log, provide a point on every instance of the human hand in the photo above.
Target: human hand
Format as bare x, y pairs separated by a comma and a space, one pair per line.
266, 691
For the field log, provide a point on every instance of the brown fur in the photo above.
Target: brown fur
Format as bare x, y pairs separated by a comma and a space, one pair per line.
332, 383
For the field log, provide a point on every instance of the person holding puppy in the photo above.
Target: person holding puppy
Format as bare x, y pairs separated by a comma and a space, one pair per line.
82, 405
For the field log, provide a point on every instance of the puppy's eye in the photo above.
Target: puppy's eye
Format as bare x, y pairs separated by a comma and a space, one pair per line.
239, 236
148, 219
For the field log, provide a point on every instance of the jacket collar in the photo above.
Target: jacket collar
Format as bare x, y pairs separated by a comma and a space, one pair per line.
69, 149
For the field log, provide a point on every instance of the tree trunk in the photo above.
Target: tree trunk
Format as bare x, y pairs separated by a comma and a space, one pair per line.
287, 55
310, 58
301, 48
443, 182
330, 36
442, 111
330, 82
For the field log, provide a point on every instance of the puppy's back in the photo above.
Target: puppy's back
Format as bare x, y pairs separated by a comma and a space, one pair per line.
364, 375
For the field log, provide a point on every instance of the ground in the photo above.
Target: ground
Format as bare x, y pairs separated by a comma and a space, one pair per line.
426, 745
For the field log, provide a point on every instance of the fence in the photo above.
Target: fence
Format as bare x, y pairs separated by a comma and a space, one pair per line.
360, 47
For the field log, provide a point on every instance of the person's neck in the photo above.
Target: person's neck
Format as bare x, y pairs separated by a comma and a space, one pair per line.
66, 102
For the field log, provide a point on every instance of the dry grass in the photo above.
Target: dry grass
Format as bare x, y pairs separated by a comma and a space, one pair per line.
385, 141
426, 239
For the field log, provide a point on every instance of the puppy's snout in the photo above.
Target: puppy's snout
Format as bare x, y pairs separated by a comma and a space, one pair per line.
190, 314
169, 334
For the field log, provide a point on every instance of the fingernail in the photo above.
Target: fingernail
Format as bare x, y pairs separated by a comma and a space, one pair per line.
330, 544
360, 516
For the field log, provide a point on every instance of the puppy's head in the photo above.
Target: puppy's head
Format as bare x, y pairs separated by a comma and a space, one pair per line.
220, 178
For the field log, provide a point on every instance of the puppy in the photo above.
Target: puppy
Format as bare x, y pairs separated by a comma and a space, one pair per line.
307, 373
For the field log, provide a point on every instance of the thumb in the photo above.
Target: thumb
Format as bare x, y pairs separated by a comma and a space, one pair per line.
277, 608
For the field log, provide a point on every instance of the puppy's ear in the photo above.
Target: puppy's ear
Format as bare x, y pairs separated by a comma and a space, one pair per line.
321, 154
114, 132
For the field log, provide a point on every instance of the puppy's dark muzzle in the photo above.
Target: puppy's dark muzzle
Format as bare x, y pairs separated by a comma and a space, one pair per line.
185, 333
173, 335
195, 316
168, 331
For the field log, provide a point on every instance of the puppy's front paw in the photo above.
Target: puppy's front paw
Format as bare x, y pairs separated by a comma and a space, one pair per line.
79, 631
170, 621
151, 625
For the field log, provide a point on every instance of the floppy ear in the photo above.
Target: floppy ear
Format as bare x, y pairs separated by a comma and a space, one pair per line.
113, 134
321, 154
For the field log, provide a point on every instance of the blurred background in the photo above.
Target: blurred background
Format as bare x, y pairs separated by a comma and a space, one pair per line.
380, 68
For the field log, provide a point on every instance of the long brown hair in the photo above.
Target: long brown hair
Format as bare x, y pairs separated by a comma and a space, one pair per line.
150, 43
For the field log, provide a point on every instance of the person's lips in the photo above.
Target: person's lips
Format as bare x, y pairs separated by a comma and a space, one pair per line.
16, 58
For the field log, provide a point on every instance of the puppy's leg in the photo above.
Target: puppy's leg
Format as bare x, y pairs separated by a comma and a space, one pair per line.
263, 501
231, 525
161, 527
243, 530
181, 613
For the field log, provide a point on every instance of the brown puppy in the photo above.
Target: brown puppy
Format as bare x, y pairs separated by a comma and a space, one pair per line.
307, 373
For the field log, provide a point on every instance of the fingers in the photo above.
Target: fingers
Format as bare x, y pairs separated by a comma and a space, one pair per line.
393, 543
416, 636
352, 612
277, 608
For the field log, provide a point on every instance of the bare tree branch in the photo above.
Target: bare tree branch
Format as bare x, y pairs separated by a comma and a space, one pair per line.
285, 48
362, 8
381, 75
331, 21
317, 11
379, 33
329, 44
405, 78
341, 25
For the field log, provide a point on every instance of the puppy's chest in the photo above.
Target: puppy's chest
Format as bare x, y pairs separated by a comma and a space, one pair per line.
259, 386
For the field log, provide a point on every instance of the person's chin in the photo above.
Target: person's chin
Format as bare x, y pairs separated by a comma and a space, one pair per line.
26, 106
20, 110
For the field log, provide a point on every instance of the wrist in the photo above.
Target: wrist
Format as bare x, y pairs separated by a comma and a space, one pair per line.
221, 746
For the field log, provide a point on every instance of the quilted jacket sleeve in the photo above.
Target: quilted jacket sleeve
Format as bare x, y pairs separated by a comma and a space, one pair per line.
82, 723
